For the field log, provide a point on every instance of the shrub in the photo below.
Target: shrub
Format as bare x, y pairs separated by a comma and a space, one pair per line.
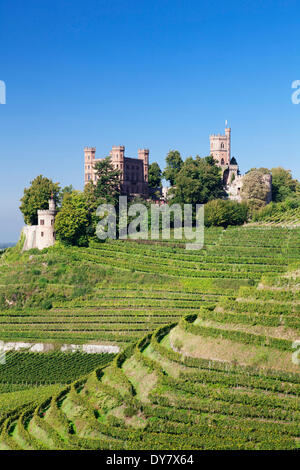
47, 305
222, 213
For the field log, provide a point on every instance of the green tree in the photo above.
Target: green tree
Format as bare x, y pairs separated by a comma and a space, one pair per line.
283, 184
154, 175
255, 190
37, 196
92, 201
66, 190
222, 213
174, 164
108, 181
72, 220
198, 182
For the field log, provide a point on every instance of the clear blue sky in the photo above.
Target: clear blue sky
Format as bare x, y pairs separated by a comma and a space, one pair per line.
161, 74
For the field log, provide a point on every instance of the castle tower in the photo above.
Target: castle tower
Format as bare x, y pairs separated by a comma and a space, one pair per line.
45, 234
143, 155
89, 160
117, 158
220, 147
228, 135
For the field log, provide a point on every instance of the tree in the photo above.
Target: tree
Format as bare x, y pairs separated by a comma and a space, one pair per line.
198, 182
255, 190
67, 190
283, 184
174, 164
72, 220
222, 213
154, 175
92, 201
108, 181
37, 196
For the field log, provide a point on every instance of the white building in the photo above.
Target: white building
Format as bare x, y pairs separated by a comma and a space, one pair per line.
42, 235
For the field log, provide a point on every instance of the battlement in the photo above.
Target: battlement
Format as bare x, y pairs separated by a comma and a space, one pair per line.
118, 147
46, 212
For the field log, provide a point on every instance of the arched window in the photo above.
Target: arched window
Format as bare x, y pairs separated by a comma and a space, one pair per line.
222, 161
222, 145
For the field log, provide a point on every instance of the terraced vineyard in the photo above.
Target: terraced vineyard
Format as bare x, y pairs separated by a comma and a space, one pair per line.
146, 284
33, 368
206, 337
166, 392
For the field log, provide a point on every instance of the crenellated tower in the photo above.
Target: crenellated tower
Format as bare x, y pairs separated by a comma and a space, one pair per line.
117, 155
89, 160
220, 147
143, 154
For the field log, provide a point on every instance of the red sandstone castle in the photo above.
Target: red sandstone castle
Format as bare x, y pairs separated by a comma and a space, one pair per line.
134, 171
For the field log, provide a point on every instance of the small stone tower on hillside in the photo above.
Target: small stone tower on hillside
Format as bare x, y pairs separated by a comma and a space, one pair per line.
45, 231
42, 235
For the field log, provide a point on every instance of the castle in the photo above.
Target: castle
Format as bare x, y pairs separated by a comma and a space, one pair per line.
42, 235
134, 171
220, 149
134, 182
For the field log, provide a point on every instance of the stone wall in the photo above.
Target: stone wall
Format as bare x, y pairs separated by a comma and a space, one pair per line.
234, 188
29, 232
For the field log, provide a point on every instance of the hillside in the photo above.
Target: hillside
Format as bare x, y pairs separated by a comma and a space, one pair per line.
147, 284
206, 340
167, 391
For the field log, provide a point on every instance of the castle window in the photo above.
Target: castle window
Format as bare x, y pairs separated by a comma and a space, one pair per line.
222, 161
42, 234
222, 145
42, 222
